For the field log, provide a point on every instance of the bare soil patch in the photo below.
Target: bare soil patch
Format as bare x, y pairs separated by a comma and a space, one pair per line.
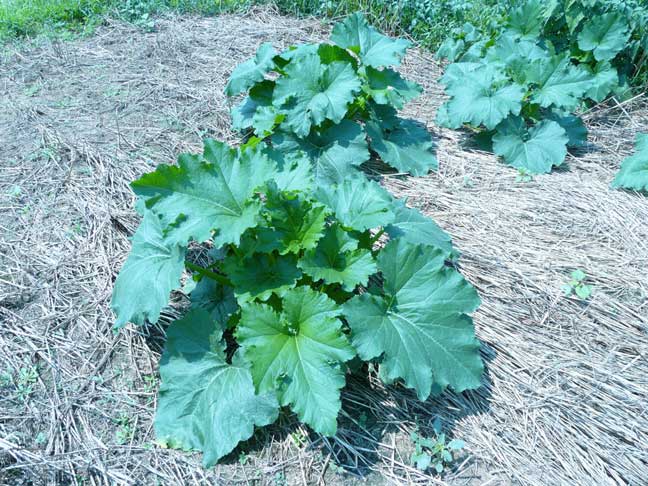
564, 396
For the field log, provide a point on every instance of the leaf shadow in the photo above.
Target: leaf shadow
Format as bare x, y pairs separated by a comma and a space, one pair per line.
372, 412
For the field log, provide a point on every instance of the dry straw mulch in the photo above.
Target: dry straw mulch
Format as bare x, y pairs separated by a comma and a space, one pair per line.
565, 394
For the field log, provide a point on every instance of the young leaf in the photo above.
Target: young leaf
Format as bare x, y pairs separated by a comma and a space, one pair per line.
420, 327
479, 100
261, 275
407, 146
634, 169
329, 53
536, 150
606, 35
412, 226
250, 72
300, 351
387, 87
515, 54
373, 48
151, 271
422, 461
583, 291
456, 444
205, 403
358, 204
578, 275
311, 92
337, 260
215, 298
298, 225
205, 194
336, 152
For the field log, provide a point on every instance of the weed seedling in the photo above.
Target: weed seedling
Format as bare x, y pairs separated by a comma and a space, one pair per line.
125, 432
523, 175
434, 452
577, 285
27, 378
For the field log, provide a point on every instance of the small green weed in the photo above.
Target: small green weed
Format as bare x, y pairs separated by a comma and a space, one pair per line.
577, 285
25, 381
279, 479
243, 458
523, 175
433, 452
126, 431
298, 437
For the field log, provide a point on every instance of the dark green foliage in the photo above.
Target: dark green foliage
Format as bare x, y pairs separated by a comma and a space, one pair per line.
294, 279
331, 102
522, 79
296, 285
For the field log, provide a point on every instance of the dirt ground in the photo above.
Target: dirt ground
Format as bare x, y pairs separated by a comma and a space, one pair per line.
564, 395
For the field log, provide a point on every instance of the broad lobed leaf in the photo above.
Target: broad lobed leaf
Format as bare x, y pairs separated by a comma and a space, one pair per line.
419, 329
373, 48
149, 274
299, 353
206, 404
312, 92
207, 194
537, 149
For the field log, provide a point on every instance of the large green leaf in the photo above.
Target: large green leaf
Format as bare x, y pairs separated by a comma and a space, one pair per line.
337, 259
310, 92
373, 48
205, 194
336, 152
574, 128
537, 149
480, 99
451, 49
261, 275
295, 173
558, 82
419, 328
252, 71
528, 19
457, 71
605, 79
387, 87
407, 146
297, 224
634, 169
215, 298
151, 271
245, 115
514, 54
414, 227
205, 403
299, 351
606, 35
358, 204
